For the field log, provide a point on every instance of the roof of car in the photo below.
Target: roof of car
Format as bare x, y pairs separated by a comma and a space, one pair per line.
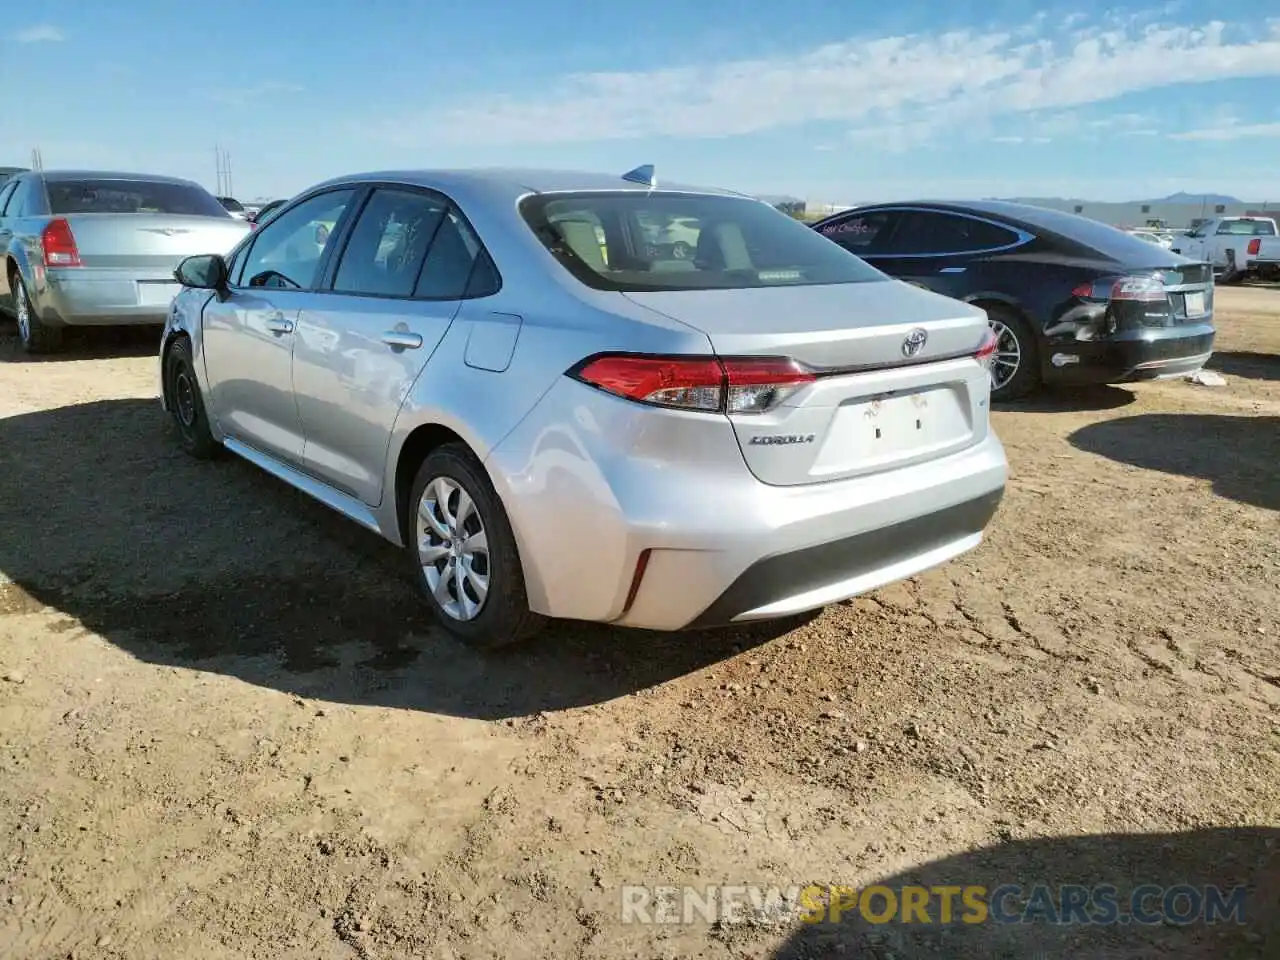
1107, 240
520, 181
56, 175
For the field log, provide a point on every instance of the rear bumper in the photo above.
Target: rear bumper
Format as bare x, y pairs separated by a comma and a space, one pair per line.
1144, 354
87, 297
815, 576
651, 519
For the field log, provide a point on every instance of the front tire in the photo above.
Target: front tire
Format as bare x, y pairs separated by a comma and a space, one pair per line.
34, 336
186, 404
1015, 372
463, 552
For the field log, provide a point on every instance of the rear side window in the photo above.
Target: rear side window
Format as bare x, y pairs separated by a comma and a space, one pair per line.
23, 201
1247, 228
6, 192
389, 243
638, 241
455, 253
130, 196
923, 233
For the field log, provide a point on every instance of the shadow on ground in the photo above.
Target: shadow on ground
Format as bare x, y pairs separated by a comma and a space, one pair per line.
1071, 400
84, 343
1225, 859
1237, 454
219, 566
1250, 366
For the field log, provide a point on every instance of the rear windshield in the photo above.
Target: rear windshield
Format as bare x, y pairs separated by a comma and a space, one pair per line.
130, 196
635, 241
235, 206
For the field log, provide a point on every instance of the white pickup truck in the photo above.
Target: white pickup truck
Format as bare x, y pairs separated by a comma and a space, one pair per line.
1238, 247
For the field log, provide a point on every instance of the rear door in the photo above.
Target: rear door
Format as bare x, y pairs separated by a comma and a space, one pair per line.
249, 335
936, 250
363, 340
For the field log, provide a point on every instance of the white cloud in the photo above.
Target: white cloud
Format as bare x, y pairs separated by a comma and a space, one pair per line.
40, 33
1231, 131
914, 83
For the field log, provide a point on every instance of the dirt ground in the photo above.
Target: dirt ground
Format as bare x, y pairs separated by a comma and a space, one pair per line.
227, 731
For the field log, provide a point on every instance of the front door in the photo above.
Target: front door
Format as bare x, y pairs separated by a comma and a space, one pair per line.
249, 335
363, 342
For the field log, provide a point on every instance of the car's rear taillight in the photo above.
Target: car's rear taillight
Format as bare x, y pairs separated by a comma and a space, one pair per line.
1255, 245
1142, 289
986, 354
708, 384
59, 245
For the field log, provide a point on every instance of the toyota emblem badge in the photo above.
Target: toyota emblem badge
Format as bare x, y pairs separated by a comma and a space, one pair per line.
914, 342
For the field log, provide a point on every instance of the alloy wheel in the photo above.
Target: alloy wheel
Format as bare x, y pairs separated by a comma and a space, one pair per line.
23, 311
453, 549
1008, 356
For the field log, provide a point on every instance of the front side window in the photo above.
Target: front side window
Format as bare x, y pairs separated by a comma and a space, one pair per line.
638, 241
861, 233
287, 253
389, 243
130, 196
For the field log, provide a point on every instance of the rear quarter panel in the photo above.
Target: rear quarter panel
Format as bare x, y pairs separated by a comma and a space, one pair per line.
24, 252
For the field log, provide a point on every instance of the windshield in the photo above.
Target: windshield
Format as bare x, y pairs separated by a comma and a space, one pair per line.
235, 206
130, 196
634, 241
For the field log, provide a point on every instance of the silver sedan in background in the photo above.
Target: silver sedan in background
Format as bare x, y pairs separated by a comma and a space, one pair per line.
557, 416
96, 248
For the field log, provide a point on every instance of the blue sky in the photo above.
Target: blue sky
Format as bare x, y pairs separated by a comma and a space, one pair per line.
836, 102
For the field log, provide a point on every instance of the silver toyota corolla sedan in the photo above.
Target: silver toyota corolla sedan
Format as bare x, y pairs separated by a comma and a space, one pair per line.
514, 376
96, 248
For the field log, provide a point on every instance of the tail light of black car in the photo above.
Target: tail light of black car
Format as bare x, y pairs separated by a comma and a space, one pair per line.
1131, 300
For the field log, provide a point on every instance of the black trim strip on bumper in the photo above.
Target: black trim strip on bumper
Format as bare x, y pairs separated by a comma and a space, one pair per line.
776, 578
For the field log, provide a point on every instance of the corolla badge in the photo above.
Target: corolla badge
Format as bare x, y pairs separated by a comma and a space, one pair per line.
914, 342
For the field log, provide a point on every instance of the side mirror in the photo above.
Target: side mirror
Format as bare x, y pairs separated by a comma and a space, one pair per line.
204, 272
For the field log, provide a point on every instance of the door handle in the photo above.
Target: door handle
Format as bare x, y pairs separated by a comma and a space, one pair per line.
279, 325
402, 339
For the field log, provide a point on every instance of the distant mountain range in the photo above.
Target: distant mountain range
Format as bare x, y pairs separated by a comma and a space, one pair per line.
1199, 199
1183, 197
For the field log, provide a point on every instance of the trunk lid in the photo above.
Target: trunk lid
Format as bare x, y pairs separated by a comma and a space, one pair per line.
877, 404
150, 243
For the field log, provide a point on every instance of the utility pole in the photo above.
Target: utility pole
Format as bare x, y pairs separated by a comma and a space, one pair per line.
37, 160
222, 164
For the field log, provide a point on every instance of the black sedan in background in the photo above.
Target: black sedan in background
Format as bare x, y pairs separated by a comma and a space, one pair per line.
1070, 300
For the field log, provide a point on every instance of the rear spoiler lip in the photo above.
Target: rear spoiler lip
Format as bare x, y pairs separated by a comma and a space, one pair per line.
848, 369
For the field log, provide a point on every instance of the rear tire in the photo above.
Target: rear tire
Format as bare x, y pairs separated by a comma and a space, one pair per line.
34, 336
186, 404
1016, 344
463, 553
